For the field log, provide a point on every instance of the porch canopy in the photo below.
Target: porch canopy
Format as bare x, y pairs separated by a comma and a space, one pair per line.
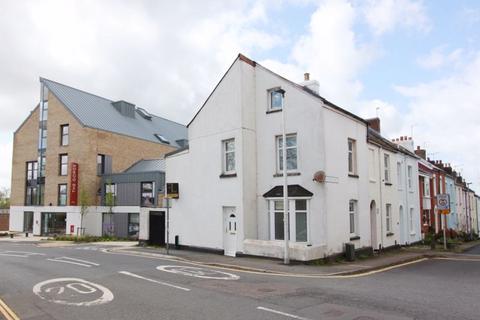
294, 190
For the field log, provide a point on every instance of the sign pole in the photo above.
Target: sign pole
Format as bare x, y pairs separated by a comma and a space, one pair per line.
444, 231
168, 224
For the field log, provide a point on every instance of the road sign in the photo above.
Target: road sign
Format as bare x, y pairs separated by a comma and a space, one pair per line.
443, 202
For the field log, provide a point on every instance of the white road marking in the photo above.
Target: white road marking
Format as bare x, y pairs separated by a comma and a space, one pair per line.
152, 280
282, 313
19, 254
78, 262
196, 272
78, 298
12, 255
457, 259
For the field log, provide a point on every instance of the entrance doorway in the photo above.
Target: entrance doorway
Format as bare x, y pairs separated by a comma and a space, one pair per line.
230, 227
373, 224
401, 214
53, 223
157, 228
28, 221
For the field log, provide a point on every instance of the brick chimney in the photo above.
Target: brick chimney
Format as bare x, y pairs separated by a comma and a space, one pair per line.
374, 123
422, 153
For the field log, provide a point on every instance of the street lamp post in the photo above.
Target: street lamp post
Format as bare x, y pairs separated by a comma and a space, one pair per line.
469, 209
286, 233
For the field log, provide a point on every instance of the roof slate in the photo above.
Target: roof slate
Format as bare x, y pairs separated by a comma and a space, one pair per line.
99, 113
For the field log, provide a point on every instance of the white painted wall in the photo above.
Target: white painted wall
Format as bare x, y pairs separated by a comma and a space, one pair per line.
237, 109
92, 221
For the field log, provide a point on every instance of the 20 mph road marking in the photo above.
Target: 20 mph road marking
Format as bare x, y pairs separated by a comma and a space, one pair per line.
152, 280
282, 313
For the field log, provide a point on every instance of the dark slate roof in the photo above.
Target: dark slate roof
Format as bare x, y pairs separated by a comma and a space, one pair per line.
147, 166
374, 137
294, 190
99, 113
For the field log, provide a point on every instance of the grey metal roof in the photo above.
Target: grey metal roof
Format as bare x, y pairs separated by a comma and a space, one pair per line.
147, 166
99, 113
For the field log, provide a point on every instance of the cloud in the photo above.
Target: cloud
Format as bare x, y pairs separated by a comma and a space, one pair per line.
384, 16
447, 115
163, 56
438, 58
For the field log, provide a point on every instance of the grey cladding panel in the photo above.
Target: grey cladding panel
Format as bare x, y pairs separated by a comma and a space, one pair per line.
128, 194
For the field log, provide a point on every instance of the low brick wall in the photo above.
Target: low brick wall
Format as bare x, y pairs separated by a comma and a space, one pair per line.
4, 221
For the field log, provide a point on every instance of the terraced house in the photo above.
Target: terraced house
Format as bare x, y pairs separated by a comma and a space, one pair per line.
63, 148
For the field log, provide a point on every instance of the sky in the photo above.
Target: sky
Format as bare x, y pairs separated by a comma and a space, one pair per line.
415, 64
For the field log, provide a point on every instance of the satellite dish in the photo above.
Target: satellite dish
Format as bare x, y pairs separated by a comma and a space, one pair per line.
319, 176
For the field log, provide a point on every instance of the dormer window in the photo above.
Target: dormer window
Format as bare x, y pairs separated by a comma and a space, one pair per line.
275, 99
161, 138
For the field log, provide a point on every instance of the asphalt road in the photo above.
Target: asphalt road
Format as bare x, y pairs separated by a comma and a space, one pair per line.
88, 283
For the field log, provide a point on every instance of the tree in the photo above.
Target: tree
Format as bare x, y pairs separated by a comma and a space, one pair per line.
84, 201
4, 198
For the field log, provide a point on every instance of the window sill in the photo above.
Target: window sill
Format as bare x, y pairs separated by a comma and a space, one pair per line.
354, 238
353, 175
389, 234
289, 174
273, 111
413, 234
388, 184
227, 175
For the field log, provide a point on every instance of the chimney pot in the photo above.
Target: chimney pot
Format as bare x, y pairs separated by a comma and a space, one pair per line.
306, 76
401, 138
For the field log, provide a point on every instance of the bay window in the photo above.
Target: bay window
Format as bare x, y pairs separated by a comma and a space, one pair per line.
298, 223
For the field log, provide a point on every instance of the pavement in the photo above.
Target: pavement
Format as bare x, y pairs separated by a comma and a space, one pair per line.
98, 281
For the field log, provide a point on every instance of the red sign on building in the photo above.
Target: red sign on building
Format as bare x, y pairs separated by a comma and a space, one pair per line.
74, 184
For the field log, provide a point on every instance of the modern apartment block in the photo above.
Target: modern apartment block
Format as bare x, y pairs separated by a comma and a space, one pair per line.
64, 147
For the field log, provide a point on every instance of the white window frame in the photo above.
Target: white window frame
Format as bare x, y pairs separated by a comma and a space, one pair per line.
410, 177
352, 151
270, 100
277, 147
386, 168
292, 221
372, 166
388, 218
399, 175
355, 232
224, 156
426, 186
411, 221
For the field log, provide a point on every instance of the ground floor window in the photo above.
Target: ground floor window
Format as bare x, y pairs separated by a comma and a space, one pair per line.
53, 223
353, 217
412, 228
298, 224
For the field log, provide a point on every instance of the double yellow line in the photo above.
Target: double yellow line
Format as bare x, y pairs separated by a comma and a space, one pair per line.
7, 312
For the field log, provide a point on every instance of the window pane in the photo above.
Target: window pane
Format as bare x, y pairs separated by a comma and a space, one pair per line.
350, 162
279, 232
301, 226
291, 159
301, 205
229, 145
230, 161
291, 141
352, 222
275, 100
278, 205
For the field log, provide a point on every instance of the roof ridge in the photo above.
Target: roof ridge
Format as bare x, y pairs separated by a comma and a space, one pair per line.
80, 90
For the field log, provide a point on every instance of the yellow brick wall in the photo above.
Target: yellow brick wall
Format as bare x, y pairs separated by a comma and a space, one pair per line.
25, 143
84, 145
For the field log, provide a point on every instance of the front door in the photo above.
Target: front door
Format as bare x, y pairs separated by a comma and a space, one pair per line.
230, 227
157, 228
28, 221
403, 239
